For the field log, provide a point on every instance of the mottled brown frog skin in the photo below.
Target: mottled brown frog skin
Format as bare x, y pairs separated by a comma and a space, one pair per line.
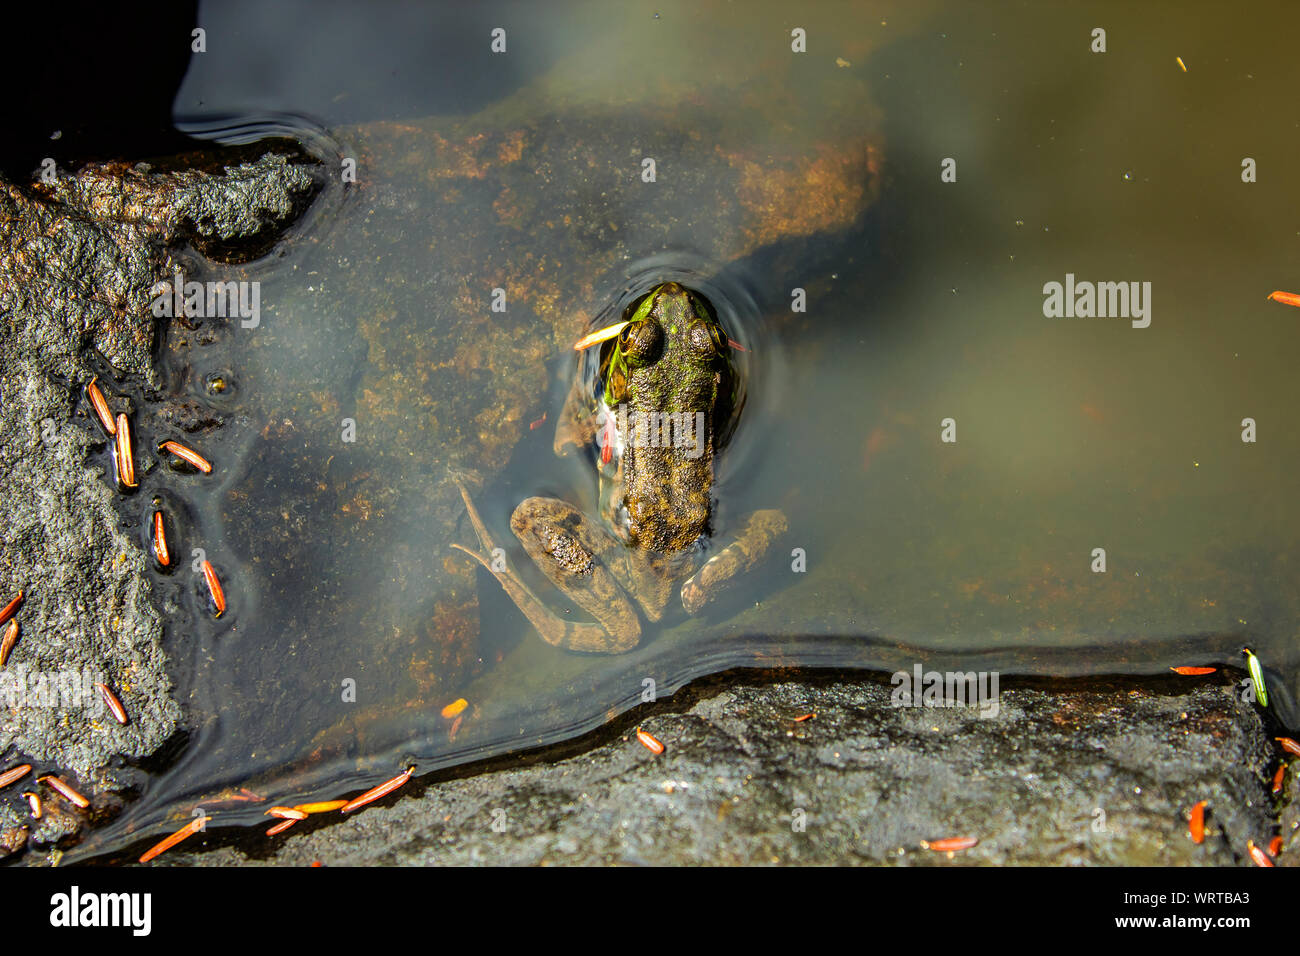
669, 366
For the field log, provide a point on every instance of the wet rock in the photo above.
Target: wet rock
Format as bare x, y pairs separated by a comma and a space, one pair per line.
78, 257
1088, 772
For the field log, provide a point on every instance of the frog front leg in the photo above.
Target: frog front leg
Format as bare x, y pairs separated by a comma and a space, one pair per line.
750, 544
574, 554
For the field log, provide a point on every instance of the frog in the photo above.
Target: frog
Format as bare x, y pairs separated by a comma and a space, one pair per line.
664, 403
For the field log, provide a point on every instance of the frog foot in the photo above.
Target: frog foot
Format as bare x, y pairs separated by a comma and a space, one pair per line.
579, 636
751, 543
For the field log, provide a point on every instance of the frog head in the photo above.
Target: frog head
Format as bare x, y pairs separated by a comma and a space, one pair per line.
672, 352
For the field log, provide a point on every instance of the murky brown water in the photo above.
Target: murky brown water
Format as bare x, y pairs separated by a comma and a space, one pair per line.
925, 302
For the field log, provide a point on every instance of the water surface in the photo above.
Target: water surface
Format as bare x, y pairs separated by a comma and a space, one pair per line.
776, 171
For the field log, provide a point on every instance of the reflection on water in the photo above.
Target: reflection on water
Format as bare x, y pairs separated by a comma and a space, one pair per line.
353, 622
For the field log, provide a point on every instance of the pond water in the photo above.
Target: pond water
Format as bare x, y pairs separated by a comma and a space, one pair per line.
380, 371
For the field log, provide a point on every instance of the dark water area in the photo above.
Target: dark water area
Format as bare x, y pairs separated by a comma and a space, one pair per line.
379, 372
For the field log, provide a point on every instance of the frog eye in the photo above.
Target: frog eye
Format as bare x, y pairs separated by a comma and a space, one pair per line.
640, 342
700, 340
706, 338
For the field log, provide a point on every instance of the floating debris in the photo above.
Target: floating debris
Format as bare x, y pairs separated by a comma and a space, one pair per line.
184, 833
123, 452
325, 806
286, 813
100, 406
188, 455
374, 793
214, 587
587, 341
160, 550
15, 773
64, 790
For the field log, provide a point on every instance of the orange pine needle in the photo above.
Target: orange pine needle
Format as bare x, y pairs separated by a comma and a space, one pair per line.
1193, 671
1289, 745
65, 791
188, 455
1258, 855
650, 743
802, 717
286, 813
115, 705
160, 550
454, 708
374, 793
11, 608
1279, 778
1275, 846
191, 828
949, 844
1286, 298
125, 458
214, 587
1196, 822
280, 827
324, 806
100, 406
587, 341
15, 773
8, 641
34, 804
